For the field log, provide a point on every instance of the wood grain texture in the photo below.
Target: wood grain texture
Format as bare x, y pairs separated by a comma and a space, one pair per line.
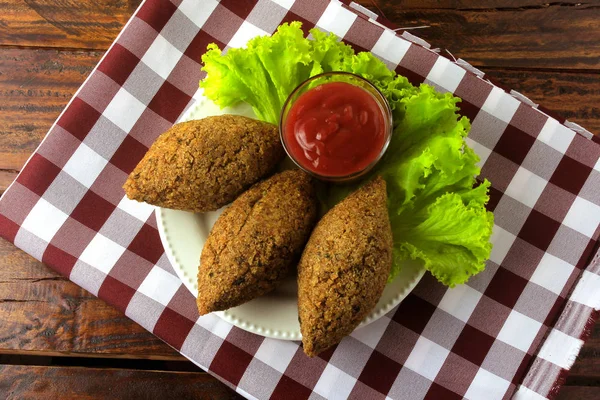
40, 382
586, 370
579, 393
6, 178
44, 312
551, 35
526, 33
66, 23
35, 86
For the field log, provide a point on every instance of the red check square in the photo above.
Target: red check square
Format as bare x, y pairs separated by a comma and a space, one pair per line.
230, 362
157, 13
118, 64
473, 345
118, 292
539, 230
437, 392
61, 261
240, 8
169, 102
414, 313
173, 328
506, 287
380, 372
198, 45
570, 175
79, 118
38, 175
8, 228
128, 155
92, 211
147, 244
514, 144
289, 389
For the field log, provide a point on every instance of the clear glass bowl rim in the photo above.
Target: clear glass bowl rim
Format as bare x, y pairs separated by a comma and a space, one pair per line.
382, 102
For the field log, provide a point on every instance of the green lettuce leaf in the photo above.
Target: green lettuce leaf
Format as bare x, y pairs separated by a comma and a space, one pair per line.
436, 207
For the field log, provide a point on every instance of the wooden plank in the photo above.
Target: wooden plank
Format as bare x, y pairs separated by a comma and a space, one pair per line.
528, 34
586, 370
35, 86
551, 35
41, 311
86, 24
578, 393
6, 178
42, 382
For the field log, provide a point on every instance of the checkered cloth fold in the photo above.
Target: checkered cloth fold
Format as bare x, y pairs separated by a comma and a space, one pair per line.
512, 330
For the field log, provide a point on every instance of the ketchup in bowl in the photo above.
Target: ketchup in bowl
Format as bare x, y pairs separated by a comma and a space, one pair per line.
336, 129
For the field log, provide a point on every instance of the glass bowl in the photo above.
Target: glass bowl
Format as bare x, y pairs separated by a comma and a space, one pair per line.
354, 80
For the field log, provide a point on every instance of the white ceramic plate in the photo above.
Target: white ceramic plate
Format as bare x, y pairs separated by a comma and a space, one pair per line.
274, 315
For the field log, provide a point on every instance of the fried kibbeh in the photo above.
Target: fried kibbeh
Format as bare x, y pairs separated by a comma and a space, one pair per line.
202, 165
344, 267
255, 242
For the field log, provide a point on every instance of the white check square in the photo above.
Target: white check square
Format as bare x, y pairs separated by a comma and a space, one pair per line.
502, 241
372, 333
501, 105
44, 220
427, 358
519, 331
482, 151
336, 19
526, 187
334, 383
124, 110
85, 165
560, 349
277, 353
137, 209
586, 292
162, 56
287, 4
216, 325
583, 216
446, 74
556, 135
552, 273
244, 394
524, 393
390, 47
487, 386
246, 32
102, 253
460, 301
197, 13
160, 285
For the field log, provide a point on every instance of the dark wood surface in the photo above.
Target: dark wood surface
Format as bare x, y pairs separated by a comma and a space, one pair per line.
58, 341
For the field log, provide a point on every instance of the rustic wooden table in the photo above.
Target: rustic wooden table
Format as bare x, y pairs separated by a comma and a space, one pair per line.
57, 340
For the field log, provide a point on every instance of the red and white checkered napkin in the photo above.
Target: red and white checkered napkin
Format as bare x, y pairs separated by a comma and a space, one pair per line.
514, 328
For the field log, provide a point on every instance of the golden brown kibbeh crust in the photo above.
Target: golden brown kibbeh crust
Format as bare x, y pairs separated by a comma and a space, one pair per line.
255, 242
344, 267
202, 165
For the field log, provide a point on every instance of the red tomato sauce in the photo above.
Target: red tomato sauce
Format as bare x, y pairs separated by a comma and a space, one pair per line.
335, 129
